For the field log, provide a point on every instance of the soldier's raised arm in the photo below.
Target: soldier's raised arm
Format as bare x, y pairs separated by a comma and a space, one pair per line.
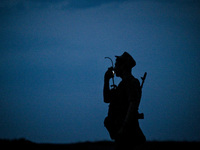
106, 89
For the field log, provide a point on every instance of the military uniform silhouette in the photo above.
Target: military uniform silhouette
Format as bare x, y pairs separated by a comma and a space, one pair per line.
122, 120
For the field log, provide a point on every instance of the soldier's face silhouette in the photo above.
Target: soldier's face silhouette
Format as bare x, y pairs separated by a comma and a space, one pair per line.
118, 68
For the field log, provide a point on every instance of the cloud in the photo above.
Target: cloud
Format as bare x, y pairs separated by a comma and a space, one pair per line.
80, 3
66, 4
91, 3
11, 5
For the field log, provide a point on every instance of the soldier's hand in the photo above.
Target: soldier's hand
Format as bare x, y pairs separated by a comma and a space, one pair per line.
109, 73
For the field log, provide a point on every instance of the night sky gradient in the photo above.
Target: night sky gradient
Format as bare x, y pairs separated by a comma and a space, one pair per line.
52, 66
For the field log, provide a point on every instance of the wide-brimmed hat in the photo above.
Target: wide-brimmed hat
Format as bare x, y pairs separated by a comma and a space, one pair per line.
127, 59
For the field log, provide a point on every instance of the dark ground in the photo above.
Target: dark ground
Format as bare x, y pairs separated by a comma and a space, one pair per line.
101, 145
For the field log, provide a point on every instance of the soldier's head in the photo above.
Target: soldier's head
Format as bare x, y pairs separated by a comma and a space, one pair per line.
123, 64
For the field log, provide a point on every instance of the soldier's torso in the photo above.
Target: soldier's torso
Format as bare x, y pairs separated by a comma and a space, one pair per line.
120, 99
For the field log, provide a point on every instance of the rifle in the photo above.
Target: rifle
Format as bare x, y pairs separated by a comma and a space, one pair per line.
143, 79
141, 115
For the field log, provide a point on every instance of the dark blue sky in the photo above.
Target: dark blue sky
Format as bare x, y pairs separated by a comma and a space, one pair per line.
52, 66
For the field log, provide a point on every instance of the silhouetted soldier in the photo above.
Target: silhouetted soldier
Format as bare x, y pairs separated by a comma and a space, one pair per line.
122, 120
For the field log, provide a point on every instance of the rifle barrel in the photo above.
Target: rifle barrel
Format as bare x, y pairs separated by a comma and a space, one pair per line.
143, 79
